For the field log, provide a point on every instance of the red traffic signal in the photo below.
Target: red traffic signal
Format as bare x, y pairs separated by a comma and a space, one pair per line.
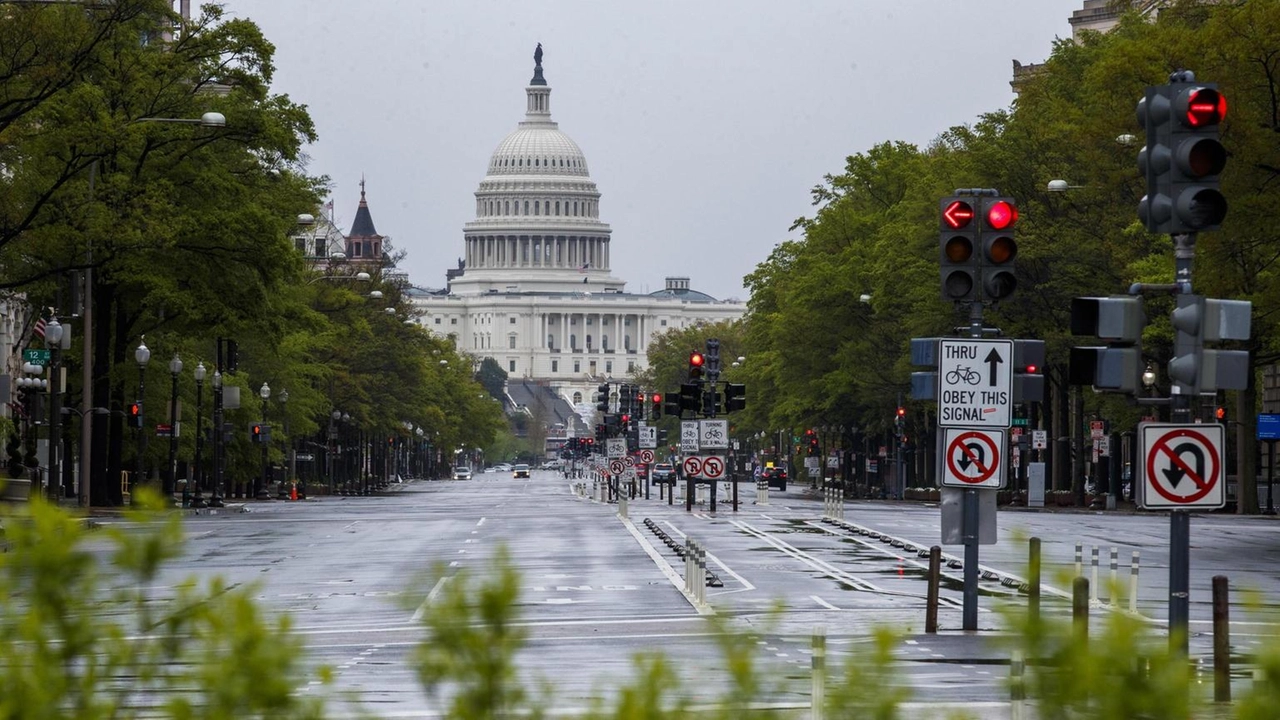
902, 412
1220, 413
957, 214
1001, 215
657, 398
696, 359
1203, 107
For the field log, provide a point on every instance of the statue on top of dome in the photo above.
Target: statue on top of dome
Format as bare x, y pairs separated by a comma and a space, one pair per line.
537, 55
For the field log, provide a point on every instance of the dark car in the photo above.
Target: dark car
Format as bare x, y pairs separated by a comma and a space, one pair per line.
664, 473
776, 476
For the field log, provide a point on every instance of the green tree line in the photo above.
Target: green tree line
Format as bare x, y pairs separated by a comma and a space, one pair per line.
185, 230
832, 313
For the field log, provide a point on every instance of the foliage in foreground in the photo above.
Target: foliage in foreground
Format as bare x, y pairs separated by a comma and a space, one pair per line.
84, 633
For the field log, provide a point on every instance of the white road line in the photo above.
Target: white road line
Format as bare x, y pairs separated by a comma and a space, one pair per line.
808, 559
823, 603
422, 609
676, 580
481, 522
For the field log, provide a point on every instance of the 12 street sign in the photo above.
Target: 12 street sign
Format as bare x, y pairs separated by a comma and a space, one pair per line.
973, 458
1181, 466
36, 356
975, 383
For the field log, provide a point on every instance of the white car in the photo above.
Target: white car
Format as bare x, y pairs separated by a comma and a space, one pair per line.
462, 473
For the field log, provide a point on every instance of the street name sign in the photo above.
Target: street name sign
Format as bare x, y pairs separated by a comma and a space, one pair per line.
973, 458
975, 383
36, 356
1181, 466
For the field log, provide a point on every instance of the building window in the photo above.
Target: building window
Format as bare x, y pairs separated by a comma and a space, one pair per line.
626, 342
631, 368
608, 367
453, 321
557, 207
588, 342
511, 342
663, 323
577, 398
577, 366
437, 321
301, 245
551, 342
513, 321
555, 366
573, 341
536, 207
320, 247
511, 366
526, 207
604, 342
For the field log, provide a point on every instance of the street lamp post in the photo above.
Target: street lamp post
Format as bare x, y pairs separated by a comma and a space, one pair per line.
171, 479
333, 446
262, 494
282, 493
141, 356
198, 500
216, 499
53, 340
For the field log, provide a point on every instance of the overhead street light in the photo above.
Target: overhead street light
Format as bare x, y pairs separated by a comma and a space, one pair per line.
209, 119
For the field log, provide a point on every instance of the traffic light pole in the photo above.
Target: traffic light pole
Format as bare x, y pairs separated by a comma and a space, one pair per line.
969, 516
1184, 249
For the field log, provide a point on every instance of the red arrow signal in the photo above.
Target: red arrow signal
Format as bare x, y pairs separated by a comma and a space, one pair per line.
958, 214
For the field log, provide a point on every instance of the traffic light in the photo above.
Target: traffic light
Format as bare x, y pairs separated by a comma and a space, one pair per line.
1220, 414
956, 245
711, 400
1183, 156
135, 414
1118, 320
601, 433
1028, 371
735, 397
999, 215
602, 397
690, 396
673, 404
696, 361
255, 432
657, 407
900, 417
811, 440
1197, 320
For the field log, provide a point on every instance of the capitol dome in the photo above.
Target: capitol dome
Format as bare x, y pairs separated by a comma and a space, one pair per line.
537, 225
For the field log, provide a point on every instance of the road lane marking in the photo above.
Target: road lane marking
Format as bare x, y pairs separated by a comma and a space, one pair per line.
676, 580
431, 596
823, 603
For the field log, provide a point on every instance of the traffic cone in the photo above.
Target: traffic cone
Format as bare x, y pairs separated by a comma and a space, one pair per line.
293, 491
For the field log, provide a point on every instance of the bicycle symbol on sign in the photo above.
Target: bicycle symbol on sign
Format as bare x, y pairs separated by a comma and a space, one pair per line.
713, 434
967, 375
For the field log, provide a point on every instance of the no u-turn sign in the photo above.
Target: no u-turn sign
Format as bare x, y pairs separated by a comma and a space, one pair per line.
1182, 466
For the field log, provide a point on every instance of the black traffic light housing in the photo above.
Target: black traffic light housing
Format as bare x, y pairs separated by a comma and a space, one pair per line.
1183, 156
735, 397
656, 413
602, 397
957, 248
673, 404
696, 362
691, 396
999, 248
135, 414
811, 442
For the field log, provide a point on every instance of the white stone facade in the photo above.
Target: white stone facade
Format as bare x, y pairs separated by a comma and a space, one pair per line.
536, 292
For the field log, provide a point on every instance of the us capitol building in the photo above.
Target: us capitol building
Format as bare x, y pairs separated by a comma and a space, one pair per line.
534, 289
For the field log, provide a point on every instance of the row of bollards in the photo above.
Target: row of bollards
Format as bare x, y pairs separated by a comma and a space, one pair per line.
1115, 575
832, 503
695, 566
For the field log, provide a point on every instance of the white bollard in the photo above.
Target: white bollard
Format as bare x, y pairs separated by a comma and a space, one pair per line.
1133, 583
1079, 558
1093, 579
818, 699
1112, 589
1017, 688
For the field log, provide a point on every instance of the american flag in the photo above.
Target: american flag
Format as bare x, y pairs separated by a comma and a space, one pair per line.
39, 327
584, 267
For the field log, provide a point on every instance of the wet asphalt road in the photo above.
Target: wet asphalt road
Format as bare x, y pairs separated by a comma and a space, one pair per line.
356, 574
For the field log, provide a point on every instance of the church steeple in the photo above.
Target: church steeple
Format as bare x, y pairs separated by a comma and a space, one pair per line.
364, 242
363, 224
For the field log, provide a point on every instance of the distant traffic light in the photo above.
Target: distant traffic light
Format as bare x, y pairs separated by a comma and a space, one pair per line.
956, 243
135, 414
812, 441
735, 397
657, 407
255, 432
1183, 156
999, 215
602, 397
696, 362
690, 396
673, 404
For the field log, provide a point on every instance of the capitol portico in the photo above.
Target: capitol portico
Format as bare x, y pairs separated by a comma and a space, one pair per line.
534, 289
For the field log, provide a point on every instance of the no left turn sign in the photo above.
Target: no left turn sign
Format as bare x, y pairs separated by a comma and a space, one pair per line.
974, 458
1182, 466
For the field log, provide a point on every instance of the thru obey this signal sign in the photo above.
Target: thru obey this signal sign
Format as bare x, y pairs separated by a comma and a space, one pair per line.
974, 458
1181, 466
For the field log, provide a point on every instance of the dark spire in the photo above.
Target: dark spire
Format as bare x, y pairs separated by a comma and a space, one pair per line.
537, 67
362, 226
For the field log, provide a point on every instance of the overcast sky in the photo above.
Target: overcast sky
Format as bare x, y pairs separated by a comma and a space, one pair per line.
705, 123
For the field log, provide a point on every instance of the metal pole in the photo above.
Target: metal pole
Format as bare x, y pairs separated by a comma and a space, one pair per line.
261, 491
1271, 476
86, 369
931, 597
171, 483
142, 423
1033, 581
55, 424
970, 514
1179, 579
218, 491
1221, 641
198, 500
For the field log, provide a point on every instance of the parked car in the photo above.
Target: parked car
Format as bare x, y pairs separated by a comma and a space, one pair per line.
777, 477
462, 473
520, 471
664, 473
